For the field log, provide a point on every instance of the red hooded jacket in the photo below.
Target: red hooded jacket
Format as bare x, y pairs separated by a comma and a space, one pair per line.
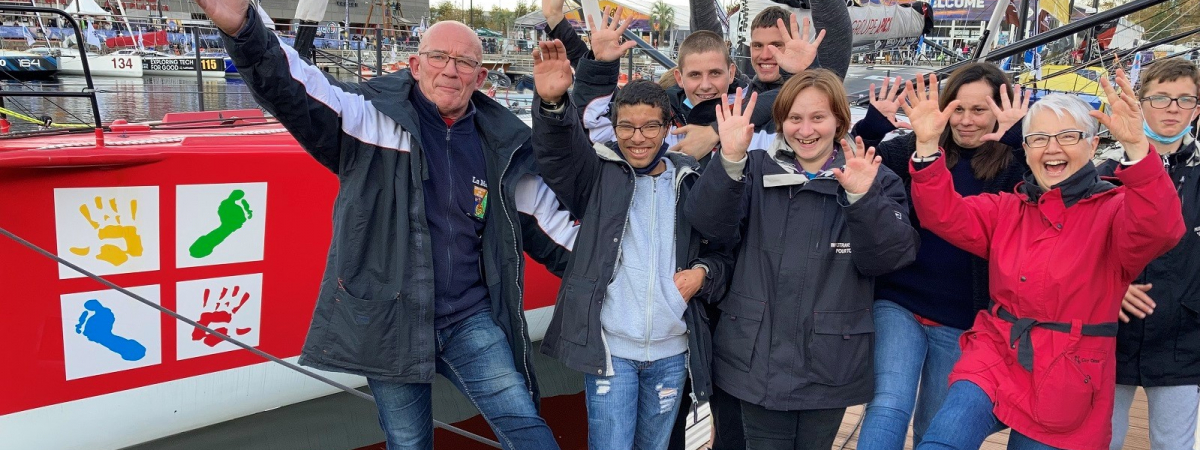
1060, 273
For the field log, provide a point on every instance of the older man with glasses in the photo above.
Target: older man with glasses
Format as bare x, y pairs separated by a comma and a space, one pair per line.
424, 273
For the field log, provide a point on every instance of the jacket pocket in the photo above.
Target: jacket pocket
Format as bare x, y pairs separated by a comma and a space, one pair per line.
839, 352
1187, 346
366, 332
577, 300
737, 331
1064, 394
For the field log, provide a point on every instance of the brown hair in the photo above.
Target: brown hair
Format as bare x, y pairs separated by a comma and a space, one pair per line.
701, 42
822, 80
1167, 70
770, 16
993, 157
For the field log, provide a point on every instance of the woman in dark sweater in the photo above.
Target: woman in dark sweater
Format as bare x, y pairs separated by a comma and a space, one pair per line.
921, 310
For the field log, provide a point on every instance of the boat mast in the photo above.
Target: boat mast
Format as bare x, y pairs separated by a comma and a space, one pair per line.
124, 18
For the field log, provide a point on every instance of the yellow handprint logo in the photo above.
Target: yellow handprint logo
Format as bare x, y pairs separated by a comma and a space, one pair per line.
108, 226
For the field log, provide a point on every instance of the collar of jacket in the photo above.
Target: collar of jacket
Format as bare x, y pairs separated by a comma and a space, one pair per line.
1186, 156
501, 131
784, 172
1080, 185
705, 112
429, 115
684, 164
757, 85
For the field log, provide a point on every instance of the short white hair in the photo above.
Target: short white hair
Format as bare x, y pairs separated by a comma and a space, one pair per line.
1064, 104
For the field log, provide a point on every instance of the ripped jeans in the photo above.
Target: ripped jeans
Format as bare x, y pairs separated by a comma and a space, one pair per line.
635, 408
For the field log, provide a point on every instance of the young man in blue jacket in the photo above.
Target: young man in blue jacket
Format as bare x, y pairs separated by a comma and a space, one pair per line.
628, 314
437, 198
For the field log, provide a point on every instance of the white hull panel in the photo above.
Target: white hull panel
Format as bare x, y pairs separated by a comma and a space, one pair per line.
131, 417
103, 66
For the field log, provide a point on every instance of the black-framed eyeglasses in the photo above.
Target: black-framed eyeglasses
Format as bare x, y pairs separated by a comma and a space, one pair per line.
1064, 138
649, 131
439, 59
1164, 102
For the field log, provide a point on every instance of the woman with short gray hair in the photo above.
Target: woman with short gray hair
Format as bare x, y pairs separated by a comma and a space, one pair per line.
1061, 251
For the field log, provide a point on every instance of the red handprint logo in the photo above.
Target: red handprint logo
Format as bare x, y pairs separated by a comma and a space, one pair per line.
223, 311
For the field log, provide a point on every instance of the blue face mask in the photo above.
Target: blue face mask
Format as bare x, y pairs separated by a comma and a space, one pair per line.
1164, 139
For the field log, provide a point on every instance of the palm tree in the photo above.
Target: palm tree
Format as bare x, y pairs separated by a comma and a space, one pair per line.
662, 16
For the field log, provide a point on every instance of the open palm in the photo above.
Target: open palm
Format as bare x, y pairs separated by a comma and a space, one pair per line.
887, 101
1125, 123
733, 124
552, 74
798, 53
861, 168
606, 39
921, 106
1012, 109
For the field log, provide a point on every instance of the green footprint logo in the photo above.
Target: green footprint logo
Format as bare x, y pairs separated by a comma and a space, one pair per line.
234, 212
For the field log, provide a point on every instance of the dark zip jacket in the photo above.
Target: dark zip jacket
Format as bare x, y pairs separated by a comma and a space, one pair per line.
1164, 348
375, 309
796, 330
596, 185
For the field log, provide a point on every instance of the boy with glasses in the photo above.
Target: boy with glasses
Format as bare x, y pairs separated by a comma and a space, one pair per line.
1158, 342
627, 314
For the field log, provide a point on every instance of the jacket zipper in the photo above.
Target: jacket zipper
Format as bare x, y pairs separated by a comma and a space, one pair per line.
687, 359
608, 367
451, 205
520, 264
654, 263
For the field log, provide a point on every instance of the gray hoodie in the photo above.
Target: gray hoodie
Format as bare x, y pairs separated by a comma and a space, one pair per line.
642, 314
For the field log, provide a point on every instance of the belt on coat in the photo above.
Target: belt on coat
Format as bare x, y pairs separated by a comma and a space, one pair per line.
1022, 328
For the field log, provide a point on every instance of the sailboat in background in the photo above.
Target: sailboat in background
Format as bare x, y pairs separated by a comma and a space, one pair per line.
107, 65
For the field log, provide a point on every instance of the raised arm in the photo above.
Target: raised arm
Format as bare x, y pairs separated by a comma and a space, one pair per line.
564, 153
833, 18
596, 77
1150, 222
967, 223
718, 206
557, 27
319, 112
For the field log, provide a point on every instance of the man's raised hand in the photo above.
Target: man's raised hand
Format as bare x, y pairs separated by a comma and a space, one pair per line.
228, 15
798, 53
606, 39
733, 123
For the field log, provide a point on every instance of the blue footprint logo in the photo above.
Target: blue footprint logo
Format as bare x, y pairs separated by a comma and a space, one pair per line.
98, 328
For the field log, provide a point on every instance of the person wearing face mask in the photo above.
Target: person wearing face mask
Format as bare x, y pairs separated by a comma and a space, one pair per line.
1158, 343
1061, 251
704, 77
814, 222
921, 310
629, 314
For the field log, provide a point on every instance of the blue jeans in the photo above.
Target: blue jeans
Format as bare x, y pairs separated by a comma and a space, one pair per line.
966, 419
474, 355
635, 407
908, 355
